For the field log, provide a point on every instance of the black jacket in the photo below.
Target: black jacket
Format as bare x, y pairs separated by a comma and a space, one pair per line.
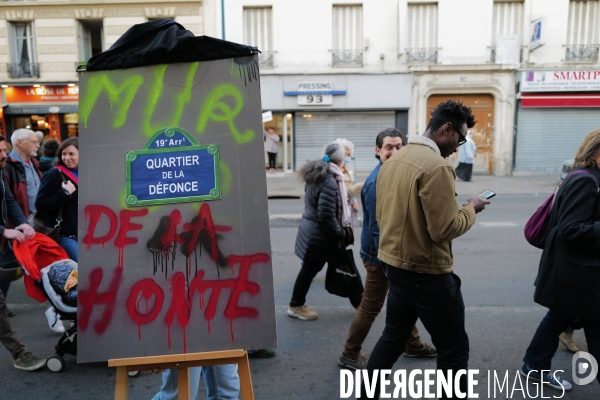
51, 197
321, 224
569, 274
17, 181
11, 212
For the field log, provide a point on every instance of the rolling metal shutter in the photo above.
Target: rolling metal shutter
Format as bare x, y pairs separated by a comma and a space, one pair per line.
547, 137
314, 132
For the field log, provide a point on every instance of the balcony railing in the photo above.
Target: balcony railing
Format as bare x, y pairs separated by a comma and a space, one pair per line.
266, 59
421, 56
346, 58
23, 70
582, 53
493, 55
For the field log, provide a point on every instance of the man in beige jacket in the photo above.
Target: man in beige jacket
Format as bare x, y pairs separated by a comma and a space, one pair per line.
418, 217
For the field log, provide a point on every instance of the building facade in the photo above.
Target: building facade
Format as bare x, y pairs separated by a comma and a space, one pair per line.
42, 43
346, 69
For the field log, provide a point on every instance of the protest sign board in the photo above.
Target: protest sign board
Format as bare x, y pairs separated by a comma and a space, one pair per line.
174, 243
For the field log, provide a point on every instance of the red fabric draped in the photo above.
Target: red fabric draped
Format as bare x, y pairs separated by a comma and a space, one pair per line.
34, 255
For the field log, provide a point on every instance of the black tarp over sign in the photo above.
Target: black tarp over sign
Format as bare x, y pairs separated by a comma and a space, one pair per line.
164, 41
174, 242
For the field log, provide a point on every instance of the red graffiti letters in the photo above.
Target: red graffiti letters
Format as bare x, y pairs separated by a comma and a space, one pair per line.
90, 297
122, 239
145, 289
95, 212
146, 298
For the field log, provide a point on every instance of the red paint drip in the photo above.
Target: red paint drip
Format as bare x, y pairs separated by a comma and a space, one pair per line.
170, 237
148, 289
122, 239
180, 305
236, 286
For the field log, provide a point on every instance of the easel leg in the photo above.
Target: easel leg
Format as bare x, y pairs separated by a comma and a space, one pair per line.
183, 383
245, 378
121, 387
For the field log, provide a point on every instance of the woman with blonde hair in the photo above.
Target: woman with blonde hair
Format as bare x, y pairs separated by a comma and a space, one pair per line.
568, 280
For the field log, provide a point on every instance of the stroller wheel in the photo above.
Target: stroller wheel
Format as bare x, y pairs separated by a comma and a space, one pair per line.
134, 374
55, 363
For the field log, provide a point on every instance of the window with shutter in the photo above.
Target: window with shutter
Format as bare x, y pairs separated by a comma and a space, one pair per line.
507, 19
422, 34
582, 31
347, 36
22, 51
258, 31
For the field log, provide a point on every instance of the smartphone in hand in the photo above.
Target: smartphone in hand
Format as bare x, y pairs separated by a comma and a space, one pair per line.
487, 194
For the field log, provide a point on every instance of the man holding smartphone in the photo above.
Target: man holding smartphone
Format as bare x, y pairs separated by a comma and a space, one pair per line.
387, 143
418, 217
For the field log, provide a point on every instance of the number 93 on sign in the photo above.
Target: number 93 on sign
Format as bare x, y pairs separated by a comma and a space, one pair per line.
315, 100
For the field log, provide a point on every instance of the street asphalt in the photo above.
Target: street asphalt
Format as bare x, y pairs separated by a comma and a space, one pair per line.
496, 265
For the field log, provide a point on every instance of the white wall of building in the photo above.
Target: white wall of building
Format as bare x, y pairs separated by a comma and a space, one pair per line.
302, 41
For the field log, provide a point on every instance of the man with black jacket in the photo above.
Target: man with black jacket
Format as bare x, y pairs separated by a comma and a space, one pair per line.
22, 169
23, 359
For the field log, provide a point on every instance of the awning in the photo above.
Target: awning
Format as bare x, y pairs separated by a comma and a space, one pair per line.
41, 109
549, 100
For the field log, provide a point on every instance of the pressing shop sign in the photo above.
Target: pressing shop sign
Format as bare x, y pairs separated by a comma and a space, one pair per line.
172, 168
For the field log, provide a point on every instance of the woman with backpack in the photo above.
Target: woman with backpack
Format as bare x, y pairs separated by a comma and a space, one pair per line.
568, 280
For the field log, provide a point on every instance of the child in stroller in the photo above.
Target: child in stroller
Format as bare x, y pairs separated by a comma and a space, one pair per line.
59, 283
42, 258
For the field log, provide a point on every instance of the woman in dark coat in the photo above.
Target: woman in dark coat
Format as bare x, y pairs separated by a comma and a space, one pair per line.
568, 280
321, 226
59, 190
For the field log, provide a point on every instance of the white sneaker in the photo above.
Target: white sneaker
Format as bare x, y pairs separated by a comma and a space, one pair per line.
53, 321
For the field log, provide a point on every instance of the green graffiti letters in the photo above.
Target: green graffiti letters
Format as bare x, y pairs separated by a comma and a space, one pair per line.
180, 100
119, 96
213, 102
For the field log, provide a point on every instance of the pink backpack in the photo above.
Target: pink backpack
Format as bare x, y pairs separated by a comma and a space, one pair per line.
536, 229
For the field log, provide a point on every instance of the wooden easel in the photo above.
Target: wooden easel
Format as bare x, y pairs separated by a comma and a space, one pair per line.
182, 362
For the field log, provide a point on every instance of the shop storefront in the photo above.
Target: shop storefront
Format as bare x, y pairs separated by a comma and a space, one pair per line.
311, 111
51, 109
557, 109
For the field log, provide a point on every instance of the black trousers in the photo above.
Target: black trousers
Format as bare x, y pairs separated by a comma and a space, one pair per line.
437, 301
304, 279
464, 171
272, 159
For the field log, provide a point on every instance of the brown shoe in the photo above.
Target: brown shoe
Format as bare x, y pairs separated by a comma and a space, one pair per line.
424, 351
302, 312
567, 340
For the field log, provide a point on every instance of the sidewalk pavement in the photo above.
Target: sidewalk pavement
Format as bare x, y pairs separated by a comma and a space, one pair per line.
287, 186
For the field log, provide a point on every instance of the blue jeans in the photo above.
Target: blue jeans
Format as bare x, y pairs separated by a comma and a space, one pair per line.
545, 340
70, 246
222, 383
437, 301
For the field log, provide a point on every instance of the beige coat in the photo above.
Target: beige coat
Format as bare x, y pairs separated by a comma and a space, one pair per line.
417, 210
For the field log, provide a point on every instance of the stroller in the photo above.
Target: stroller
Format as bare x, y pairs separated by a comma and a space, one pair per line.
37, 256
